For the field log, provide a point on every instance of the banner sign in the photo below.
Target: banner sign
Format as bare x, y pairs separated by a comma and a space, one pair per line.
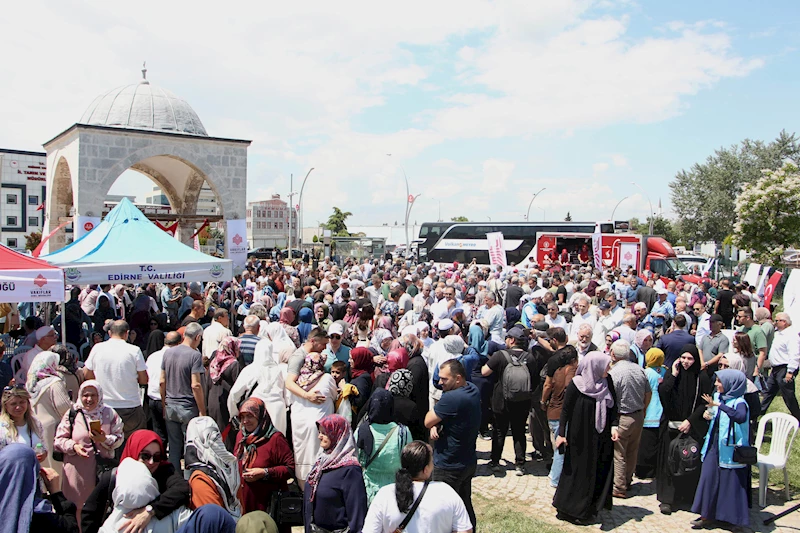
84, 225
597, 245
90, 273
46, 285
769, 288
751, 277
236, 243
629, 255
791, 295
497, 252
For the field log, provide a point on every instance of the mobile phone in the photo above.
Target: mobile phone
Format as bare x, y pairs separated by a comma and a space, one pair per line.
95, 426
562, 449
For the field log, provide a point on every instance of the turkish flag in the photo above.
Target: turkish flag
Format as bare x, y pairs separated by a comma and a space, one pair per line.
769, 289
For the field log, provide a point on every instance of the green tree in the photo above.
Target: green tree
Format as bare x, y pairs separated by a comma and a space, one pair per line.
32, 240
568, 218
661, 226
314, 239
768, 215
704, 196
336, 222
459, 219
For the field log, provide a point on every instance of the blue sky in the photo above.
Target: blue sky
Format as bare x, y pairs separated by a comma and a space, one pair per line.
482, 103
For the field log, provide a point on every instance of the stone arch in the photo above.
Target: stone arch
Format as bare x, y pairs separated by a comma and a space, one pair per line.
166, 186
181, 153
60, 201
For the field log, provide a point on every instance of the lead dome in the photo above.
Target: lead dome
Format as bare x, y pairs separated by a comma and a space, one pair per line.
144, 106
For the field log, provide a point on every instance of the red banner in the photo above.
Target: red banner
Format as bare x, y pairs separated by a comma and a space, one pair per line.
171, 229
196, 233
46, 238
770, 287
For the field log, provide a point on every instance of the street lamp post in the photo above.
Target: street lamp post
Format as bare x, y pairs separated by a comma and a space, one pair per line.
615, 208
300, 204
544, 213
410, 199
648, 201
528, 213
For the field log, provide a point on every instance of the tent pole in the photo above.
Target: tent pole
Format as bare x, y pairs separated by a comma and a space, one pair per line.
63, 310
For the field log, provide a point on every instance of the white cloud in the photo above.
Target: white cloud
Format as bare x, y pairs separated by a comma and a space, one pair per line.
619, 160
496, 174
599, 168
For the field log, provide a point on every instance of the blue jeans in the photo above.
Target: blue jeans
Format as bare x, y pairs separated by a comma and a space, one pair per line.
178, 416
558, 458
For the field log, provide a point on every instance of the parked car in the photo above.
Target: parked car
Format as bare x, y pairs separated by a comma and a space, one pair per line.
296, 254
261, 253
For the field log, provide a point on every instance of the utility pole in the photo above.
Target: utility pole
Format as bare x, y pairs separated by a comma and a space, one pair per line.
289, 224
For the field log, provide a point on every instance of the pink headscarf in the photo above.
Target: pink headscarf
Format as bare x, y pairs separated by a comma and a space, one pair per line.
397, 359
590, 381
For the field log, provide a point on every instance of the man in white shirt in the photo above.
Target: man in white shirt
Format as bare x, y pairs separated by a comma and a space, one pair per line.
784, 356
119, 367
215, 332
155, 407
703, 323
494, 315
583, 316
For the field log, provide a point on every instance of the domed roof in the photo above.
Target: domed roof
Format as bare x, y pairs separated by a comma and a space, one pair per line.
143, 106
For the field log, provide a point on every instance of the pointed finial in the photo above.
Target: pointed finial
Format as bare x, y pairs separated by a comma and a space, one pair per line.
144, 73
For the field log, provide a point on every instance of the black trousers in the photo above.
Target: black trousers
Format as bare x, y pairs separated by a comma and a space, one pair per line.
515, 415
156, 421
540, 431
460, 481
775, 383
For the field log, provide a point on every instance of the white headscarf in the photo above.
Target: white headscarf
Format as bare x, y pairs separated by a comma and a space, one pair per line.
203, 435
136, 487
282, 346
736, 362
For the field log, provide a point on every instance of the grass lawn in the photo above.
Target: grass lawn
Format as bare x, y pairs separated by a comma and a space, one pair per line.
507, 517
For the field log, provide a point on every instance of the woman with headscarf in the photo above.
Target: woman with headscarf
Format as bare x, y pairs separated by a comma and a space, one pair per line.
68, 369
104, 311
734, 361
380, 440
362, 365
401, 385
322, 313
305, 413
24, 509
351, 314
334, 497
49, 399
81, 445
275, 311
265, 460
282, 346
223, 373
135, 489
649, 445
256, 522
396, 358
681, 394
171, 494
286, 319
722, 491
513, 317
304, 327
214, 471
642, 342
262, 379
476, 339
590, 409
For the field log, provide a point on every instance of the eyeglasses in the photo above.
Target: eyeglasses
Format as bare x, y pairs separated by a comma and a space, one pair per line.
336, 336
150, 457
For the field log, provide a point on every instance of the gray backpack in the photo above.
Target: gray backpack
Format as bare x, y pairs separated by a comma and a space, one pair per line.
516, 378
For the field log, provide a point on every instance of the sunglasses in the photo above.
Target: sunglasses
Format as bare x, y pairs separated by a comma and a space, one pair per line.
336, 336
151, 457
9, 388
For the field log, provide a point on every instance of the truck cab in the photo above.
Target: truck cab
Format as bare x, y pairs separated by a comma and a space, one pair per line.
661, 259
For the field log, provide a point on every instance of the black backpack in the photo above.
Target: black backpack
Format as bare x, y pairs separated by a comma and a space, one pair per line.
684, 456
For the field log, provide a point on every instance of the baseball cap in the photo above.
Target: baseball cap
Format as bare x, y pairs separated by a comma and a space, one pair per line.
335, 329
517, 333
660, 291
604, 305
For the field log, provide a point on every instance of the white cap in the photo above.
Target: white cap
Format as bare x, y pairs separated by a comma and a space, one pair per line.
335, 329
43, 331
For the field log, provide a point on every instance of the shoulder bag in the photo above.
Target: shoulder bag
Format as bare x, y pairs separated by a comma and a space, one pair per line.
402, 527
746, 455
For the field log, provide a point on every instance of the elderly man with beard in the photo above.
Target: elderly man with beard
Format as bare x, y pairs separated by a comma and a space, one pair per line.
583, 341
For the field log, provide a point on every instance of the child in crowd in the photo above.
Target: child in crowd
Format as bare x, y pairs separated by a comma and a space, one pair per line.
342, 405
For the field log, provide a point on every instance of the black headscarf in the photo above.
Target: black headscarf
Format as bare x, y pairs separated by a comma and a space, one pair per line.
513, 315
379, 411
690, 384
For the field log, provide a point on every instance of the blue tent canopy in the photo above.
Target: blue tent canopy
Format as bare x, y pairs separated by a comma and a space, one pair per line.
127, 248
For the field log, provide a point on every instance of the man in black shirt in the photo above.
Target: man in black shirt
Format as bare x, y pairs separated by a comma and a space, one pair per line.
724, 305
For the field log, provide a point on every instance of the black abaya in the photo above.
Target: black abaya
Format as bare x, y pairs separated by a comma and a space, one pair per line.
586, 479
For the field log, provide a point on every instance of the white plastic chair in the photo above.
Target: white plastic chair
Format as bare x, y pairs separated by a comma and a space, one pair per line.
784, 429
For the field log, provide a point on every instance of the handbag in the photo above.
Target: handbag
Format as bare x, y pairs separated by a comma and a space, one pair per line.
286, 506
402, 527
746, 455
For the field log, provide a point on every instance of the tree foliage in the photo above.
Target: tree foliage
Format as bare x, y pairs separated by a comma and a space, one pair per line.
336, 222
661, 226
32, 240
768, 214
704, 196
459, 219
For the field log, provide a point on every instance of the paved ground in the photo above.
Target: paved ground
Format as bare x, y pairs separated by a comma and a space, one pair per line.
638, 513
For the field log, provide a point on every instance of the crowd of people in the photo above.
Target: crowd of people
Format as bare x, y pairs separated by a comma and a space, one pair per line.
351, 397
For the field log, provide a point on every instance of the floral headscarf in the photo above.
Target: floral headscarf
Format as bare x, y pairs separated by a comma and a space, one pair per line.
227, 354
42, 373
246, 449
341, 453
312, 371
378, 336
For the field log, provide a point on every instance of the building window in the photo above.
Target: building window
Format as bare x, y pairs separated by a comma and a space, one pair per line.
269, 214
11, 243
11, 198
33, 221
248, 225
281, 225
11, 221
276, 225
33, 200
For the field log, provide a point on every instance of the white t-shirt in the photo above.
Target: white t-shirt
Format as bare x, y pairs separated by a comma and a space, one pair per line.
440, 511
154, 373
116, 364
